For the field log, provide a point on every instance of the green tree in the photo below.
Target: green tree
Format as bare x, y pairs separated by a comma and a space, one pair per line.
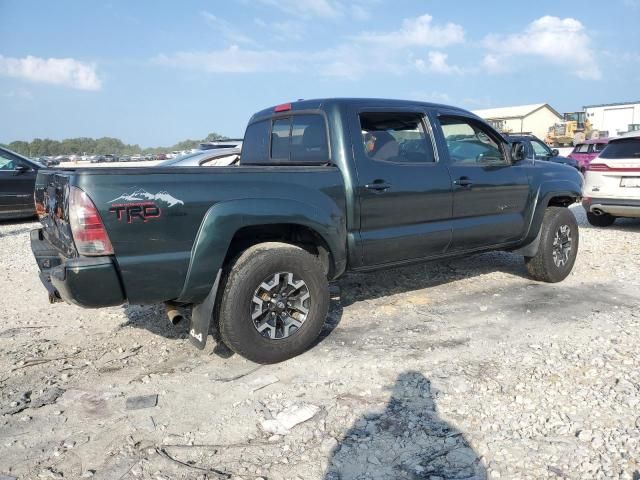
39, 147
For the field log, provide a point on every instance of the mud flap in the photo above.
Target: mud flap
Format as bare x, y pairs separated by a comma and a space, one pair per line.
201, 316
531, 249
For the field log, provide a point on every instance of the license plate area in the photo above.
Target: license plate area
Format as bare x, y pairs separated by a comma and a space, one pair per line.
630, 182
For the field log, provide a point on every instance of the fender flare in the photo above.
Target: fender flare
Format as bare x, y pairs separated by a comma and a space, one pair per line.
546, 191
224, 219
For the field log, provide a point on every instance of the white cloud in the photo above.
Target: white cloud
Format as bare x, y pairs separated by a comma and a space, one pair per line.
436, 63
306, 8
561, 41
359, 10
225, 28
495, 63
347, 60
282, 31
58, 71
234, 60
417, 32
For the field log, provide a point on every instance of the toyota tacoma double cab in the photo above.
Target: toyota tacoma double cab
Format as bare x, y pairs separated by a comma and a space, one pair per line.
322, 187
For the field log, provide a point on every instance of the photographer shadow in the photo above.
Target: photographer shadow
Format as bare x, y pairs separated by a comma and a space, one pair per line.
408, 440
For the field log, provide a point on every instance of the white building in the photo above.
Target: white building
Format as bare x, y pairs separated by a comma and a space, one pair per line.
614, 118
535, 119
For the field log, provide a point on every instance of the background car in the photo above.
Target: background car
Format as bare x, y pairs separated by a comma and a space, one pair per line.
585, 152
47, 161
222, 157
17, 183
536, 149
612, 183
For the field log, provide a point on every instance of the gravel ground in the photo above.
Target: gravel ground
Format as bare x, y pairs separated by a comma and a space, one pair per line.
464, 369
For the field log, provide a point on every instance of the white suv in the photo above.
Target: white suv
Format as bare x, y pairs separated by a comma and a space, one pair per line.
612, 182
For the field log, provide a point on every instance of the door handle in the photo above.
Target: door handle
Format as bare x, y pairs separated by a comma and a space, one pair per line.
463, 182
378, 185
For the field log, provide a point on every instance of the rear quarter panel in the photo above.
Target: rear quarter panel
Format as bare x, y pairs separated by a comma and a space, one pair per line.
155, 255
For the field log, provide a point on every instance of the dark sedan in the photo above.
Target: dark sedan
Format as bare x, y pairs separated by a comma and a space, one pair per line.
17, 182
536, 149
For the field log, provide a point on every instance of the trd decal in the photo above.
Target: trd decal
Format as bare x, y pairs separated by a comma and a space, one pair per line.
131, 211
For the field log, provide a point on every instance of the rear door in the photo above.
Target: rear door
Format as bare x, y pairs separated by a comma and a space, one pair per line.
17, 181
490, 194
403, 190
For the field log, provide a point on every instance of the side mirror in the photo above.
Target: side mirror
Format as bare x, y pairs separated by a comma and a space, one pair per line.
20, 169
555, 152
517, 152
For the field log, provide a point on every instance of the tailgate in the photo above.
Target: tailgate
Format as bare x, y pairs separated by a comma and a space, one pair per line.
52, 205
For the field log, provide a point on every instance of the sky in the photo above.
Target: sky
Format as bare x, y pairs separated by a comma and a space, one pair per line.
157, 72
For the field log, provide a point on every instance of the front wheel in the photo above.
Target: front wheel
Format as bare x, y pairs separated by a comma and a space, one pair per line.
559, 238
602, 220
274, 304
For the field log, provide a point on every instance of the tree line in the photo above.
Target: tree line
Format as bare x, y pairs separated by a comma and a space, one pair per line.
40, 147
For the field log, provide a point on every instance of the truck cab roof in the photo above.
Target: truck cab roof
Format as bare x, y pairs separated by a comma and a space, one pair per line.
326, 103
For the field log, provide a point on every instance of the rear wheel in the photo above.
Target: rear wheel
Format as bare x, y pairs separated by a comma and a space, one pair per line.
559, 238
602, 220
274, 304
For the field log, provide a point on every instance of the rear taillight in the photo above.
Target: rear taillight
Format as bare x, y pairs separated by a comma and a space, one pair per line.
598, 167
86, 225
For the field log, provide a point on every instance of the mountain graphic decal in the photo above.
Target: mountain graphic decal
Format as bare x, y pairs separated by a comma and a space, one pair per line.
141, 195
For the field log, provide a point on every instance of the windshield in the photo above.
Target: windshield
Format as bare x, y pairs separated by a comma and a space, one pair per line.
628, 148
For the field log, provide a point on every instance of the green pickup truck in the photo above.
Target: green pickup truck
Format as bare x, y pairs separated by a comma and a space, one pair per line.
322, 187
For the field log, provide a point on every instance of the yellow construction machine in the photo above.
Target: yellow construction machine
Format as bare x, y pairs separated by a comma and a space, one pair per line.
573, 129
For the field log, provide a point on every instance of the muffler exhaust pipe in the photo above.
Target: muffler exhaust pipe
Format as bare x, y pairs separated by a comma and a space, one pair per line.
597, 211
174, 315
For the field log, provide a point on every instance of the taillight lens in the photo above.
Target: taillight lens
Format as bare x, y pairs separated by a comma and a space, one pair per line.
598, 167
86, 225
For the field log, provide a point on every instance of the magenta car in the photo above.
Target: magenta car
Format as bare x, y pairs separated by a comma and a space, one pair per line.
586, 151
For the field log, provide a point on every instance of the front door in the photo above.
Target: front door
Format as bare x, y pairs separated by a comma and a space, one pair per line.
490, 194
404, 191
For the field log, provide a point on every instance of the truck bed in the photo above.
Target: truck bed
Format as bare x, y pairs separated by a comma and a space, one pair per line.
153, 215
